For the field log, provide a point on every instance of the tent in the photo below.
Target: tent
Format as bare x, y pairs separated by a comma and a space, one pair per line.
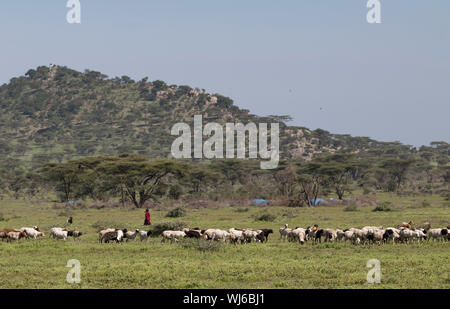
317, 201
260, 202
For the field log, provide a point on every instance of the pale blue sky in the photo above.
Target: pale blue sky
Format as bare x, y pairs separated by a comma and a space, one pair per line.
389, 81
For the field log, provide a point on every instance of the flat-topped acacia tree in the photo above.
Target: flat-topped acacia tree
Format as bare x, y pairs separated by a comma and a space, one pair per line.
64, 176
141, 179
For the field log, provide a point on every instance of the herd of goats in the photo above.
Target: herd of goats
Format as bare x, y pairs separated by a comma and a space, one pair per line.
369, 234
403, 233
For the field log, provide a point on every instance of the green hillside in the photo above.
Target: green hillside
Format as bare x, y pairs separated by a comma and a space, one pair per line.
53, 114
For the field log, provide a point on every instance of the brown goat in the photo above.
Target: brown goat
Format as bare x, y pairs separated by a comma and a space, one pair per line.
407, 225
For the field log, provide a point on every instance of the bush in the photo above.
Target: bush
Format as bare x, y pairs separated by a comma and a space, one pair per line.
290, 214
446, 195
176, 212
425, 203
351, 208
386, 206
265, 217
2, 218
201, 244
168, 226
246, 209
368, 190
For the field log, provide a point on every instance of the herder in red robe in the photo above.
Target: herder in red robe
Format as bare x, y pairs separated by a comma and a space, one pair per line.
147, 218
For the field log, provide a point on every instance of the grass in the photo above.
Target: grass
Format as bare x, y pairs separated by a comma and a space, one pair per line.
42, 263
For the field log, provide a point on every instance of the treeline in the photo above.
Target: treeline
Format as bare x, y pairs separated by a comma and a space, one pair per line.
133, 179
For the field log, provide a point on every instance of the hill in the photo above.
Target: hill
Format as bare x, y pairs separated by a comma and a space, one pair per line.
53, 114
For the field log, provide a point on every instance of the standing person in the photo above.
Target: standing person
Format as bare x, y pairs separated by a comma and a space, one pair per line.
147, 218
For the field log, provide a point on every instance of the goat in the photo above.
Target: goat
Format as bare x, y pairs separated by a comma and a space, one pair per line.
32, 232
284, 232
172, 236
143, 235
16, 235
131, 235
266, 233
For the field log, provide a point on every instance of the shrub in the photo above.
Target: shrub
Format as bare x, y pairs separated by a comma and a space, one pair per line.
351, 208
176, 212
201, 244
2, 218
290, 214
446, 195
246, 209
168, 226
386, 206
368, 190
425, 203
265, 217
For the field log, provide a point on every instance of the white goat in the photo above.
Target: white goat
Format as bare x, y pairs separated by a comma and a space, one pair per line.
143, 235
298, 234
59, 233
437, 234
32, 232
131, 235
236, 235
172, 236
284, 232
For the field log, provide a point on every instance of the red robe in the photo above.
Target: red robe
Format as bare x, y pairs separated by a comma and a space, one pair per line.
147, 219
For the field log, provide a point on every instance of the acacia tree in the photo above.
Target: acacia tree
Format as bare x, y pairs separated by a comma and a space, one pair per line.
310, 182
202, 177
141, 179
64, 177
397, 169
233, 170
310, 186
338, 176
287, 181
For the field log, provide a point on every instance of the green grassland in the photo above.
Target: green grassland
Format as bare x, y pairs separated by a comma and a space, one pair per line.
42, 263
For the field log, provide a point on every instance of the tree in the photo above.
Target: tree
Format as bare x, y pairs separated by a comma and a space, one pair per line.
234, 170
175, 192
310, 186
338, 170
338, 176
287, 181
63, 176
202, 177
142, 180
310, 182
397, 169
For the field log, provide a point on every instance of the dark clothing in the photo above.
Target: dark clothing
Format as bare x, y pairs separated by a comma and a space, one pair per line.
147, 219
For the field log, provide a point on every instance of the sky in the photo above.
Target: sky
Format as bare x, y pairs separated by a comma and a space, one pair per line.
316, 60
